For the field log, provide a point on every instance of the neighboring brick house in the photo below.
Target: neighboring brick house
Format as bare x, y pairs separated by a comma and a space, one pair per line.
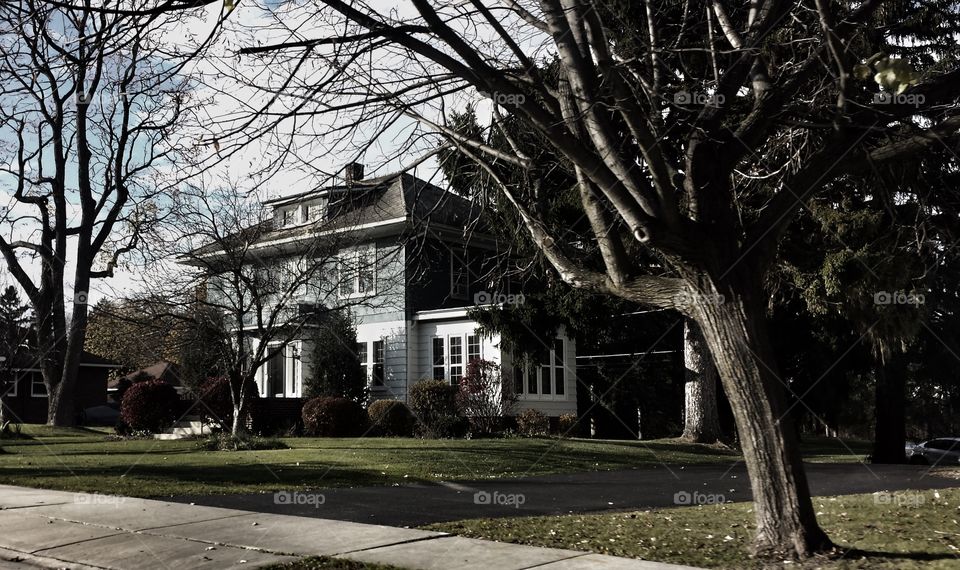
25, 399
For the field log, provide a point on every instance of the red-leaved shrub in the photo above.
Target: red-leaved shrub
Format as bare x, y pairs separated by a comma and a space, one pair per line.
328, 416
216, 405
150, 405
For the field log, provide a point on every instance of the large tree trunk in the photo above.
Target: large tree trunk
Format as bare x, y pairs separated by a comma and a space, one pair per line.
701, 420
890, 429
734, 327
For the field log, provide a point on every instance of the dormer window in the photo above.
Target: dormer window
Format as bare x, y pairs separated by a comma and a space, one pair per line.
313, 211
288, 216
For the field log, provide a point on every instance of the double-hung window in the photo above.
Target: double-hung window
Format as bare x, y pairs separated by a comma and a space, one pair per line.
9, 387
439, 360
378, 363
358, 272
363, 355
37, 388
372, 359
281, 374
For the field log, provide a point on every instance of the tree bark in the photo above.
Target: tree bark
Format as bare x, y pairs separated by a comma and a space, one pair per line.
734, 328
890, 429
701, 420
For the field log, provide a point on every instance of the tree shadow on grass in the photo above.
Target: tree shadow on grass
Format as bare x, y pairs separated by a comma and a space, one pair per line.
152, 480
877, 556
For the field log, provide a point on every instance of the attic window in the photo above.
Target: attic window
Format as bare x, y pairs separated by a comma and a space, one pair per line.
288, 216
313, 211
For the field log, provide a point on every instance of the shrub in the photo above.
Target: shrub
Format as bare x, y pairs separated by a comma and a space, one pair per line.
391, 417
569, 425
149, 406
434, 403
226, 442
484, 397
445, 426
532, 423
216, 404
328, 416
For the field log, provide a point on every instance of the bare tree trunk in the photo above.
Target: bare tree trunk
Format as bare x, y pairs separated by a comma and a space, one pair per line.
236, 428
735, 331
701, 420
890, 429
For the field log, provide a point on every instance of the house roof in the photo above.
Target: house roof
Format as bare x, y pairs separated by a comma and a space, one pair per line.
396, 199
162, 370
29, 361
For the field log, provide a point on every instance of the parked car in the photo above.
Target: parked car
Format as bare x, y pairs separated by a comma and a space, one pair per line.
908, 449
940, 451
106, 415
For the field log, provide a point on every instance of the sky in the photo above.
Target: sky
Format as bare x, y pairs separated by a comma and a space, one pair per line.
228, 100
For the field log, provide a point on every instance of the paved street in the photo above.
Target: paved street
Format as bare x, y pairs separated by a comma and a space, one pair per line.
56, 529
419, 504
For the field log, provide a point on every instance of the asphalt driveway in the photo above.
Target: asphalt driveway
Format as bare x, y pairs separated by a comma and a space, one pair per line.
646, 487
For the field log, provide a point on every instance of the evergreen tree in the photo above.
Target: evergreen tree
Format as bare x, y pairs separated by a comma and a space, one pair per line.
335, 368
14, 339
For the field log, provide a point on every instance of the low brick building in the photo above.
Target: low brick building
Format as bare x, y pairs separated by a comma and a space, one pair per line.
25, 398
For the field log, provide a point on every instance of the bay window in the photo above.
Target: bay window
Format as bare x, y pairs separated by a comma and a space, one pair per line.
544, 378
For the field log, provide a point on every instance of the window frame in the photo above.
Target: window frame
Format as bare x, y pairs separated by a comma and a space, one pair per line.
378, 359
15, 383
352, 257
448, 365
291, 377
33, 385
553, 364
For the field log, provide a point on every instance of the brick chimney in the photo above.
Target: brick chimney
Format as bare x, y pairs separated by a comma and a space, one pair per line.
353, 172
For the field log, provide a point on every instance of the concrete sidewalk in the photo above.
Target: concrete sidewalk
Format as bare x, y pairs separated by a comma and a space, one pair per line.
59, 529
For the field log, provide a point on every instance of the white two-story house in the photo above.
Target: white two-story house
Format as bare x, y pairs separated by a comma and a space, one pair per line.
410, 271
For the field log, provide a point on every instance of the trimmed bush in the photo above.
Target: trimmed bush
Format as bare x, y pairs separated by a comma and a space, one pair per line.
226, 442
484, 397
533, 423
150, 406
391, 417
569, 425
434, 403
329, 416
216, 405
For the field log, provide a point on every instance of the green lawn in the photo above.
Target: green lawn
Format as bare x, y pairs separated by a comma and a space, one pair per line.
909, 529
89, 460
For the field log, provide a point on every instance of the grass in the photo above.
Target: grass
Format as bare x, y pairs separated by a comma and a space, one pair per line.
91, 460
908, 529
